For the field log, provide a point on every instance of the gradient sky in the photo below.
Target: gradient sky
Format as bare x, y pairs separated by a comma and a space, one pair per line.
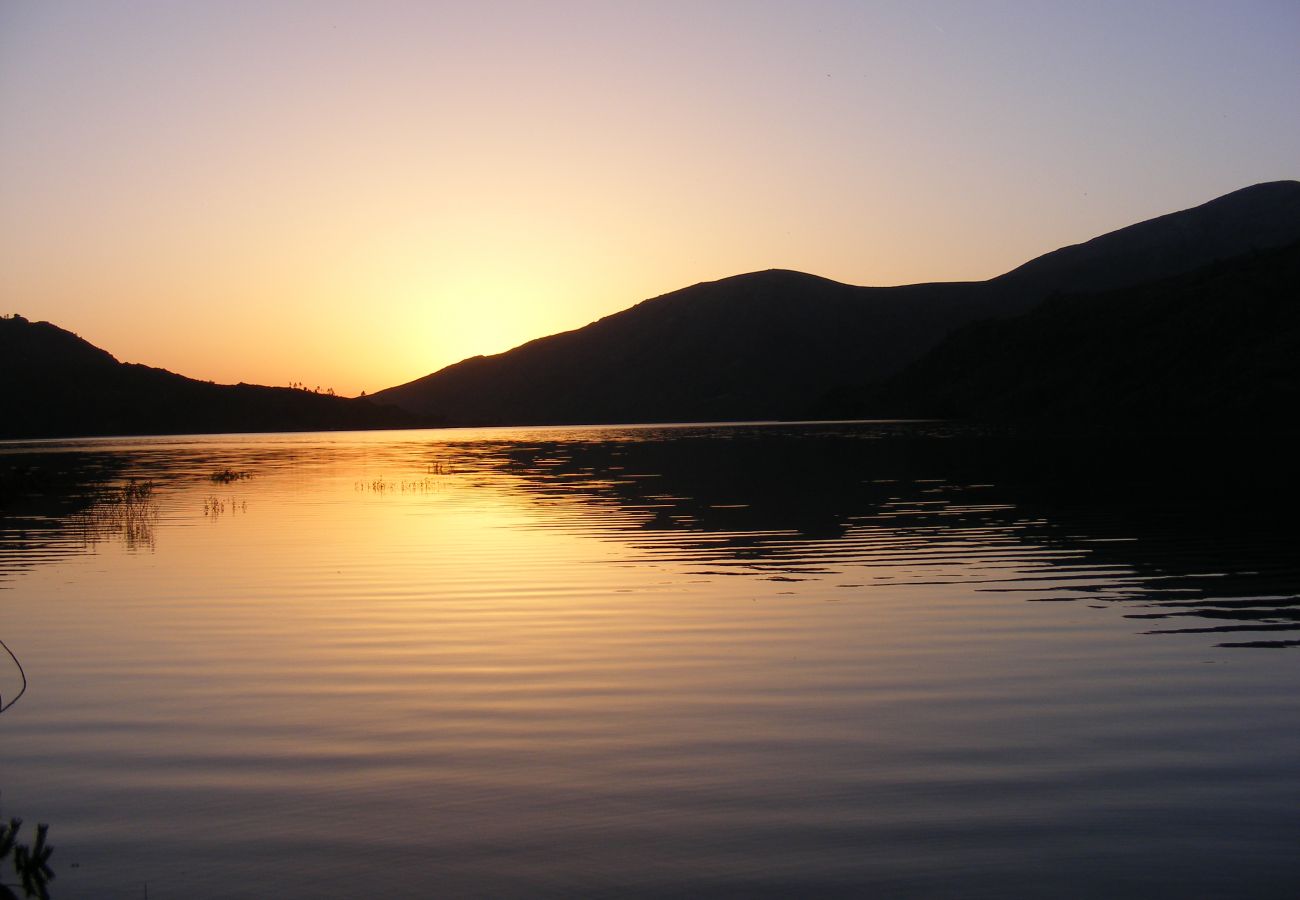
356, 194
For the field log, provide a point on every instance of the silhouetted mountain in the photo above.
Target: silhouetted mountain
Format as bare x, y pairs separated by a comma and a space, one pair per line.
752, 346
1221, 344
1253, 218
54, 384
773, 344
40, 345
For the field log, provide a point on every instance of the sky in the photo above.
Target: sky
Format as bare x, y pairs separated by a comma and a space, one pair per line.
355, 194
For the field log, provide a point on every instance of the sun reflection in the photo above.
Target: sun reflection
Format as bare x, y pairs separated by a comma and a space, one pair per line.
465, 635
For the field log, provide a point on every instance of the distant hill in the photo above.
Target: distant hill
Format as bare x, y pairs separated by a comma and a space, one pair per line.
774, 344
1220, 346
40, 345
751, 346
1253, 218
54, 384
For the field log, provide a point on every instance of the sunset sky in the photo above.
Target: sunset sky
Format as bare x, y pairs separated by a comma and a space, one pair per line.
354, 194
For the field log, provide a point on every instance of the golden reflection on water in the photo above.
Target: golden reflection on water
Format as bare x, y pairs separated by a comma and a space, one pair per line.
555, 665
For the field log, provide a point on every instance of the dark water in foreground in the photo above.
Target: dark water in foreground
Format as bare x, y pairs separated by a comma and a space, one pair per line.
827, 660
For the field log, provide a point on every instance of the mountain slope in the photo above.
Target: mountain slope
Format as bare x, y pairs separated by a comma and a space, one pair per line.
737, 348
1253, 218
771, 344
54, 384
1220, 344
40, 345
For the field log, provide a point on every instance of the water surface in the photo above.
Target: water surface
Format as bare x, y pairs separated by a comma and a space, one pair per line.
880, 659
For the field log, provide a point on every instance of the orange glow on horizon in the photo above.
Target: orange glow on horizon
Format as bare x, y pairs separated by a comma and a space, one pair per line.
356, 197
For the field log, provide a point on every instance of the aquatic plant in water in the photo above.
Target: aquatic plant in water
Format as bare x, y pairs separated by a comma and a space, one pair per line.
31, 864
381, 485
215, 506
128, 511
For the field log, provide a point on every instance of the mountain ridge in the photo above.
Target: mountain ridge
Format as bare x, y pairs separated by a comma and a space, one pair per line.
770, 344
1217, 345
57, 384
1236, 223
762, 344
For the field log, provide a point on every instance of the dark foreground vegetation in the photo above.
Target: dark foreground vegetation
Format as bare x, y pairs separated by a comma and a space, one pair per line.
31, 862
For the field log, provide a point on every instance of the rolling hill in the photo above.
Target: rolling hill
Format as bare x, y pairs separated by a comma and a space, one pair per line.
776, 344
1220, 345
55, 384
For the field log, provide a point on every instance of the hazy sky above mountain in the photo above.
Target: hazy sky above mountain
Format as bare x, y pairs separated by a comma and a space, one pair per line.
353, 194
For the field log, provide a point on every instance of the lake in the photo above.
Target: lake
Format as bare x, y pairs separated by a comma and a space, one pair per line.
872, 659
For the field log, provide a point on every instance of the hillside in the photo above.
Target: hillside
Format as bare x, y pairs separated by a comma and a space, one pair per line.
751, 346
1221, 344
54, 384
773, 344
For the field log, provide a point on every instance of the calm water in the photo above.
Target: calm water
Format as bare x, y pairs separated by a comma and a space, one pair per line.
826, 660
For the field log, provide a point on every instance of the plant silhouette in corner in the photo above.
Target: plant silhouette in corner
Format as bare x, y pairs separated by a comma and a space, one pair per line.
31, 863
